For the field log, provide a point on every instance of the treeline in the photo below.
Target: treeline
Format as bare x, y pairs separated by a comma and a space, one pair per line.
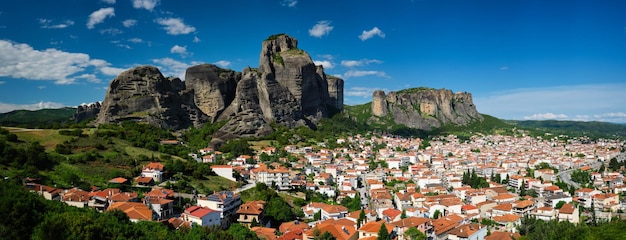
532, 228
26, 215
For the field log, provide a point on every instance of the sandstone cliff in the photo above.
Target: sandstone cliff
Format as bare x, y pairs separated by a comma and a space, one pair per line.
86, 111
424, 108
287, 89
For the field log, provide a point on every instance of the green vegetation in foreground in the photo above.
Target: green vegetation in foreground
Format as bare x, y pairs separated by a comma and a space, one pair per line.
29, 216
277, 209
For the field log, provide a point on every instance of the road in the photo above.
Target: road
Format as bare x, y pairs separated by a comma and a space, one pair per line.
566, 175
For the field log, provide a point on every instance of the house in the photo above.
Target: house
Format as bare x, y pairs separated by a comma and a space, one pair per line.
544, 213
75, 197
293, 226
153, 170
442, 226
371, 229
225, 202
569, 212
508, 222
278, 177
99, 200
498, 235
422, 224
341, 229
333, 211
163, 208
49, 193
201, 216
225, 171
472, 231
135, 211
144, 181
391, 215
264, 232
251, 212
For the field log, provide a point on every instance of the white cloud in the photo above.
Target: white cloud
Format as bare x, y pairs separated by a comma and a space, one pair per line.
363, 92
145, 4
175, 26
371, 33
356, 63
289, 3
41, 87
111, 31
111, 71
129, 23
320, 29
179, 50
7, 107
196, 39
171, 67
109, 1
99, 16
47, 23
223, 63
325, 63
598, 102
544, 116
504, 68
359, 73
22, 61
135, 40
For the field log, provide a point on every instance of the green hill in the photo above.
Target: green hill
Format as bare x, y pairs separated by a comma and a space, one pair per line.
37, 118
574, 128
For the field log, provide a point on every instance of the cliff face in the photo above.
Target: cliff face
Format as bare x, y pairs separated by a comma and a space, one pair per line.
425, 108
86, 111
143, 94
287, 89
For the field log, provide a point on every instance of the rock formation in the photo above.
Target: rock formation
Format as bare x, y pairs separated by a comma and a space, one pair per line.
287, 89
425, 108
143, 94
86, 111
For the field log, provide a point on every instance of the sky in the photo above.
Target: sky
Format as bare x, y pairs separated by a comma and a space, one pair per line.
520, 59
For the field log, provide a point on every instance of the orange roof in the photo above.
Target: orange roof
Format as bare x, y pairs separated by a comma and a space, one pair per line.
410, 222
443, 225
264, 233
567, 209
160, 193
506, 218
465, 230
293, 225
502, 236
341, 230
252, 208
374, 227
524, 204
504, 207
119, 180
392, 213
155, 165
198, 212
134, 210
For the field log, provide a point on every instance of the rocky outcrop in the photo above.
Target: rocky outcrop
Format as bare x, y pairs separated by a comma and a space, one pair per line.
86, 111
287, 89
143, 94
214, 87
425, 108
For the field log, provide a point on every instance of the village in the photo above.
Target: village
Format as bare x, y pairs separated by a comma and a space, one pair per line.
446, 188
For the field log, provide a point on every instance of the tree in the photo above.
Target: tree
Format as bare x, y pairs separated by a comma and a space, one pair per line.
317, 216
403, 215
383, 234
436, 214
361, 218
559, 205
414, 234
325, 236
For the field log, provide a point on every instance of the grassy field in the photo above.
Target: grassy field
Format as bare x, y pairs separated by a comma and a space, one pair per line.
259, 145
213, 183
46, 137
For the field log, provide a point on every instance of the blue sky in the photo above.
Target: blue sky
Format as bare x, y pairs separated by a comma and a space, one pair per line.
519, 59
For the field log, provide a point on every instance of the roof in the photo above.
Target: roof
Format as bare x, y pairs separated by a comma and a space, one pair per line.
293, 225
410, 222
502, 236
119, 180
443, 225
198, 211
567, 208
506, 218
155, 165
374, 227
134, 210
160, 193
504, 207
392, 213
252, 208
465, 230
341, 229
264, 233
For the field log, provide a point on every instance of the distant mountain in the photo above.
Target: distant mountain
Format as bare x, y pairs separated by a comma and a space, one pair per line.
576, 128
37, 118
